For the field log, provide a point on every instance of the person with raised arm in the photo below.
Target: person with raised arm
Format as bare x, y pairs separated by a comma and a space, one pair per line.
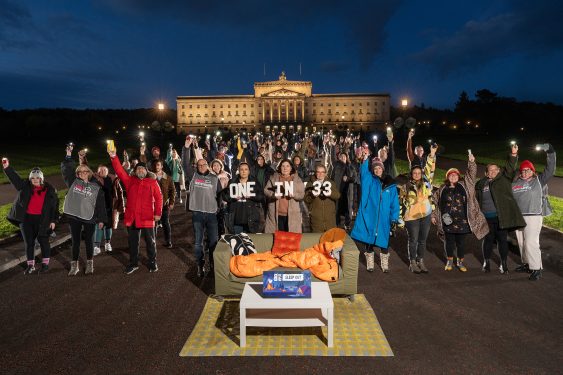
35, 211
142, 210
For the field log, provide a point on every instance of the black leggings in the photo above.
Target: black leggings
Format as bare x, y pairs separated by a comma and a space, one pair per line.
30, 231
283, 223
75, 232
371, 249
500, 236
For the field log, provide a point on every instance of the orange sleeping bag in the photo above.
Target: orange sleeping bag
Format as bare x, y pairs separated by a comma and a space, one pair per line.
317, 259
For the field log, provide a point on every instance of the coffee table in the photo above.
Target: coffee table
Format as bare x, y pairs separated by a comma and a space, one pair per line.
256, 311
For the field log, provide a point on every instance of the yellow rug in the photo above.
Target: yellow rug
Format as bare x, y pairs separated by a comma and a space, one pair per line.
356, 333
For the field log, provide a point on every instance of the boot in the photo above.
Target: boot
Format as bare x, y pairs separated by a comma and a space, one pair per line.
421, 266
487, 265
503, 267
73, 268
461, 266
89, 267
413, 267
449, 264
524, 267
535, 275
384, 262
369, 261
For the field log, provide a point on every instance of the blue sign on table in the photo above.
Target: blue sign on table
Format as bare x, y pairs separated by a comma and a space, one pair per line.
287, 284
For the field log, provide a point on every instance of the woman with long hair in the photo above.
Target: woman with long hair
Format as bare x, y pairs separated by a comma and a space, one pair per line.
284, 212
416, 208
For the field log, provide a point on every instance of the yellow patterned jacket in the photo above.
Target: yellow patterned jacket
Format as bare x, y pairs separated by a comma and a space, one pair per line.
416, 202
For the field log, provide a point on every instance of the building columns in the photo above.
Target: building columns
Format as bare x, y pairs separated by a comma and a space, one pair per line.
279, 110
271, 105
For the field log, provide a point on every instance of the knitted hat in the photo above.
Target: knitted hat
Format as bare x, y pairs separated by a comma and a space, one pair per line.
36, 172
141, 164
527, 164
376, 162
452, 170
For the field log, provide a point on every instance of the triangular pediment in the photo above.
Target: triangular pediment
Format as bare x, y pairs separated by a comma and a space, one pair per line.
283, 92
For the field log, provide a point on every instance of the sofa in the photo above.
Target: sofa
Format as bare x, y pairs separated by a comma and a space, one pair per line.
227, 284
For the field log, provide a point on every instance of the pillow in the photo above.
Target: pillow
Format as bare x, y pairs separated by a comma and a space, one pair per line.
285, 242
240, 244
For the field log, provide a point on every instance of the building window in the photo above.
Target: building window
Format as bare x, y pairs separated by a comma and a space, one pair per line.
190, 106
221, 106
221, 113
183, 114
329, 104
213, 113
244, 113
182, 106
352, 104
236, 113
314, 111
198, 106
244, 106
228, 114
229, 106
337, 104
321, 104
329, 111
314, 104
213, 106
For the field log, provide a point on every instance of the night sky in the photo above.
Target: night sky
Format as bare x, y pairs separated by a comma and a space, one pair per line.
133, 53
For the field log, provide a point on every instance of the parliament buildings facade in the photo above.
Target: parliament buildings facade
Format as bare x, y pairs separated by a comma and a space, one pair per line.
282, 105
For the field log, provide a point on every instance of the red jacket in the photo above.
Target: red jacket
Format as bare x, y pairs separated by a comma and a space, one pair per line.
144, 198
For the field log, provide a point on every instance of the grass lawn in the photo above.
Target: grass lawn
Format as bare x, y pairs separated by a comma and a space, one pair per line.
7, 228
48, 158
495, 151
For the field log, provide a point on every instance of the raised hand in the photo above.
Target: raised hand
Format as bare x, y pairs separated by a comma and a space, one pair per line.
5, 163
69, 149
411, 133
433, 149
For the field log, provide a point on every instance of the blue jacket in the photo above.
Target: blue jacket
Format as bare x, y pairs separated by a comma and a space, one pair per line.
379, 207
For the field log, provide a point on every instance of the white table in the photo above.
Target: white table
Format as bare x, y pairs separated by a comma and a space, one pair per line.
317, 311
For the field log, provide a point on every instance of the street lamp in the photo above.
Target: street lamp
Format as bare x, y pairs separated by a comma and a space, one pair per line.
404, 103
160, 106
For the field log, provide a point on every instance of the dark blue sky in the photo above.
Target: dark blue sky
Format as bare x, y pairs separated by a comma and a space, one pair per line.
132, 53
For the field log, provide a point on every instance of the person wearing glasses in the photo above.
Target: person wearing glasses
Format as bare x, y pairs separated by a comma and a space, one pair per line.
530, 192
500, 209
205, 188
84, 206
321, 197
35, 211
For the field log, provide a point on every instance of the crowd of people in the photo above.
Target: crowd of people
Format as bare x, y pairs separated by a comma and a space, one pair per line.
259, 182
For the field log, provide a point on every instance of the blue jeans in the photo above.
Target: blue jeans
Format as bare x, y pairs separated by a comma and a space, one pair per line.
203, 222
417, 231
105, 232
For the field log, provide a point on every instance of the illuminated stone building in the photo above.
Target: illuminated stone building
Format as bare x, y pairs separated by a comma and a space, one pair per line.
282, 105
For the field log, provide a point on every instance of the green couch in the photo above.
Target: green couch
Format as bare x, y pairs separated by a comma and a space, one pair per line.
227, 284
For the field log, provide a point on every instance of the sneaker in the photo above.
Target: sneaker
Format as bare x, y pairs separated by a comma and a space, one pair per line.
168, 245
503, 267
449, 264
108, 247
29, 270
89, 267
421, 266
486, 266
524, 267
97, 250
461, 266
153, 267
535, 275
44, 268
181, 201
369, 261
73, 268
413, 267
130, 269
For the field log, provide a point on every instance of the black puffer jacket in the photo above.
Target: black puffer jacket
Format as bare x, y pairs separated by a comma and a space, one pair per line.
245, 212
50, 212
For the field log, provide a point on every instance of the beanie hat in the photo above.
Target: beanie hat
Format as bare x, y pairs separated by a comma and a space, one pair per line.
36, 172
376, 162
141, 164
155, 148
527, 164
452, 170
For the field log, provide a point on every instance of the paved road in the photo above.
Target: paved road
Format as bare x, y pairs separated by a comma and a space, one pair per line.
436, 323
